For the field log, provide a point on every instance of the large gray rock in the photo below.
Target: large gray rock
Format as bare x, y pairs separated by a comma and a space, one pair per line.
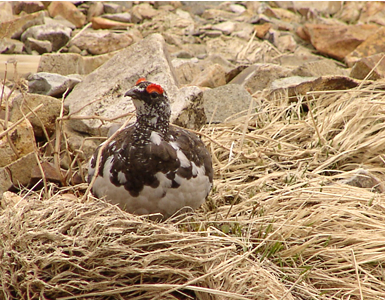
58, 35
51, 84
257, 77
101, 92
225, 101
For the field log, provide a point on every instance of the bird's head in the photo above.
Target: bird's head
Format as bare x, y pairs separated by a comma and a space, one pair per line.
149, 99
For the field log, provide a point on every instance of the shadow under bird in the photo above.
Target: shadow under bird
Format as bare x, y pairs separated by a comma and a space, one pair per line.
152, 166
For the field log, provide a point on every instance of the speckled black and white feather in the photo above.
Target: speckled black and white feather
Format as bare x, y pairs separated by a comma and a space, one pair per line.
152, 166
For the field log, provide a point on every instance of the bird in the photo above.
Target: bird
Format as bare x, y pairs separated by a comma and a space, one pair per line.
152, 166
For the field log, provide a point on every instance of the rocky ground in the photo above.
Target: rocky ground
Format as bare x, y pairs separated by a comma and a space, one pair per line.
65, 66
211, 57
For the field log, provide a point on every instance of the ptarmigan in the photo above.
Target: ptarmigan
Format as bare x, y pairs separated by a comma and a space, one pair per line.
152, 166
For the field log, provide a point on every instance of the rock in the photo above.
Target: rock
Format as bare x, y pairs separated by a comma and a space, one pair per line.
45, 116
71, 63
51, 173
337, 41
112, 8
212, 77
68, 11
11, 46
373, 12
96, 9
304, 7
288, 82
143, 11
285, 42
300, 56
40, 47
147, 58
22, 139
350, 12
324, 83
14, 28
59, 20
102, 41
225, 101
262, 29
364, 179
365, 65
212, 33
18, 173
237, 8
102, 23
374, 44
218, 15
257, 77
6, 12
319, 68
186, 70
8, 199
51, 84
227, 27
121, 17
27, 6
58, 35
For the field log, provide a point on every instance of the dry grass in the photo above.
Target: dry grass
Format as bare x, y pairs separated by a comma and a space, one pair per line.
278, 225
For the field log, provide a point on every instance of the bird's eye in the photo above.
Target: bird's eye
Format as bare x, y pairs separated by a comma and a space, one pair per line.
154, 95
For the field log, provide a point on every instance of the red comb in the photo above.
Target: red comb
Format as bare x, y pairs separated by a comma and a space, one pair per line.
154, 88
140, 80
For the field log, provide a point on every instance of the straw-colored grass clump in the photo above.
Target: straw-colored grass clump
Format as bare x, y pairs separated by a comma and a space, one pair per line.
281, 222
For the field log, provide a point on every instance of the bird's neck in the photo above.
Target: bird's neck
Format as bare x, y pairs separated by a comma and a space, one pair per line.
145, 125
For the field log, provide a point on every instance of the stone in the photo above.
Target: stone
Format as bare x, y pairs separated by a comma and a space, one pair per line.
218, 15
374, 44
103, 23
59, 20
45, 116
40, 47
6, 11
212, 77
120, 17
225, 101
365, 65
112, 8
68, 11
8, 199
27, 6
285, 42
227, 27
11, 46
51, 84
338, 41
186, 70
212, 33
319, 68
373, 12
143, 11
22, 139
258, 77
71, 63
51, 173
96, 9
18, 173
364, 179
14, 28
237, 8
262, 29
58, 35
102, 91
323, 83
304, 7
102, 41
350, 13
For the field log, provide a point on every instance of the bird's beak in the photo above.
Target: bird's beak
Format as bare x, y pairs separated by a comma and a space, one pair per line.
131, 93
